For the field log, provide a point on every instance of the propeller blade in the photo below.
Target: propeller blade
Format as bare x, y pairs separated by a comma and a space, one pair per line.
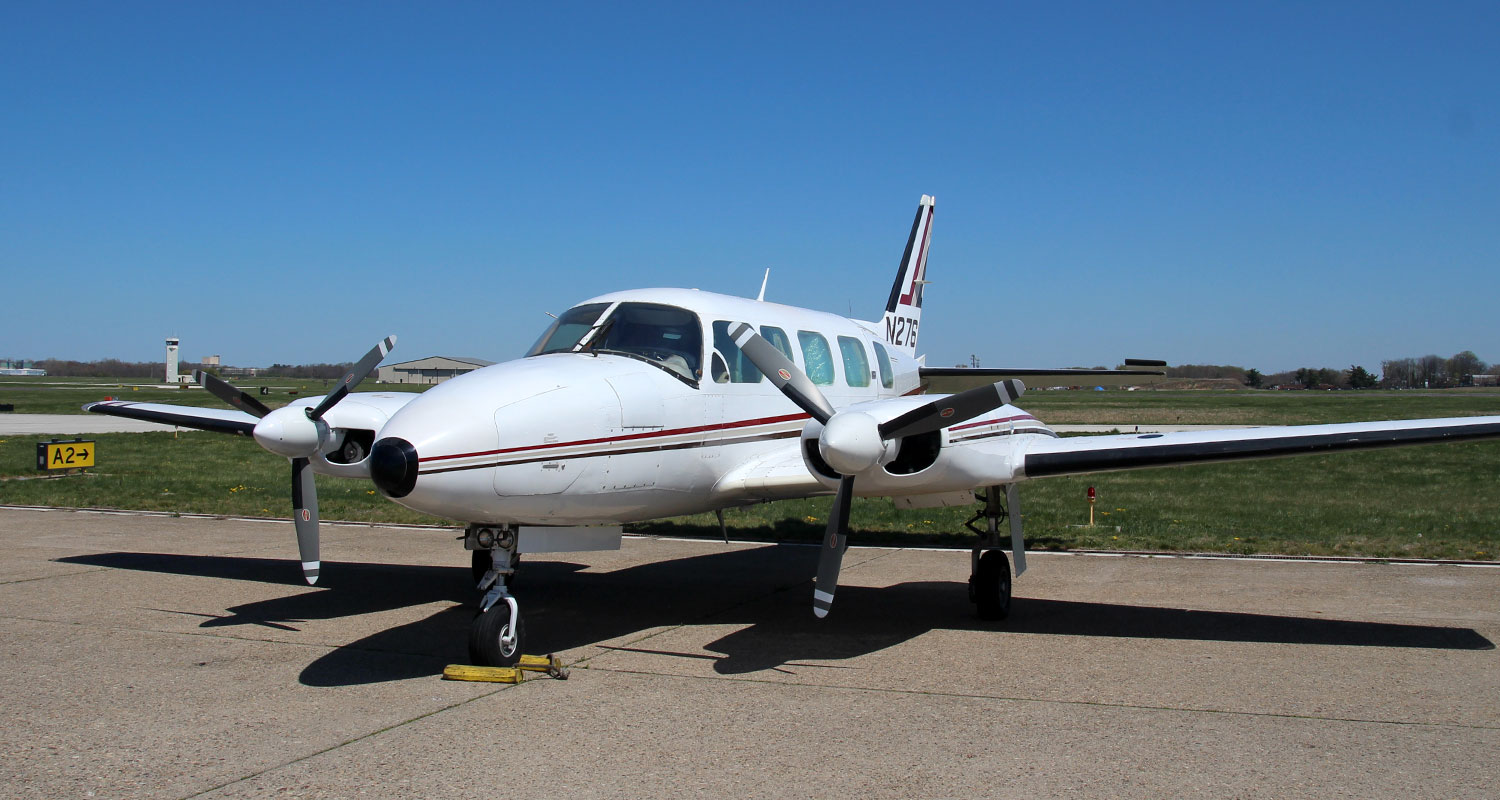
784, 374
353, 377
305, 517
835, 541
953, 409
231, 395
1017, 541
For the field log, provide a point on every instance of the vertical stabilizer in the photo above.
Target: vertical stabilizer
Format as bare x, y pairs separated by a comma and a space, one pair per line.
903, 311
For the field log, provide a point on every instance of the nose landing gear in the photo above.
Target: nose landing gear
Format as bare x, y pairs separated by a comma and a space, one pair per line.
496, 636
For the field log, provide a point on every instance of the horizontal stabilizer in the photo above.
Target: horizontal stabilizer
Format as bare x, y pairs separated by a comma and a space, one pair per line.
957, 379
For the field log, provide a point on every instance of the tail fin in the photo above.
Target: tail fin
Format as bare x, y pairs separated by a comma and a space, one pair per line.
903, 312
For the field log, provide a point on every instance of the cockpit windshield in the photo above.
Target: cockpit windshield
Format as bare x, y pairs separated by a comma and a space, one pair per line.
565, 333
667, 336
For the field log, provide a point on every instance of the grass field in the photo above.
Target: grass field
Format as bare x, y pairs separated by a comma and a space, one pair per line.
67, 395
1255, 408
1434, 501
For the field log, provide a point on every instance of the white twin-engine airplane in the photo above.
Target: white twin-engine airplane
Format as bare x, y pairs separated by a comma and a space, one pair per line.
654, 403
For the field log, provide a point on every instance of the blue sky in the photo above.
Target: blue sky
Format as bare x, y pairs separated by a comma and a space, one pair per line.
1266, 184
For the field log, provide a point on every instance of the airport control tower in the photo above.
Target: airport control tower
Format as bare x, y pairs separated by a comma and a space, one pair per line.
172, 360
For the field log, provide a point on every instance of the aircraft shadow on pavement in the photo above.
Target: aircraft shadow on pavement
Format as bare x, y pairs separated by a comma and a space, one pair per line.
765, 592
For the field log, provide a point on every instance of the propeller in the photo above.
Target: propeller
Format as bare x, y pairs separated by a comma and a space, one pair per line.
853, 441
221, 389
299, 433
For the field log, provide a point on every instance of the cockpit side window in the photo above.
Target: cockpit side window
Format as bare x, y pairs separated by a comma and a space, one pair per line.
817, 357
564, 334
730, 364
883, 363
856, 363
666, 335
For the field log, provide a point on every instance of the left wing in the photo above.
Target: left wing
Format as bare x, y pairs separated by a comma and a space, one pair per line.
207, 419
1074, 456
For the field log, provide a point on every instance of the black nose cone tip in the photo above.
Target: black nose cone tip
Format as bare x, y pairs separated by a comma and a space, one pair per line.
393, 466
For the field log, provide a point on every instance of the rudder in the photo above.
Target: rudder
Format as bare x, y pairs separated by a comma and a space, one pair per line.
903, 311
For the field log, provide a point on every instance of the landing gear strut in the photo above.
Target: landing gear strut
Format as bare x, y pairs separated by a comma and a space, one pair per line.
989, 578
496, 635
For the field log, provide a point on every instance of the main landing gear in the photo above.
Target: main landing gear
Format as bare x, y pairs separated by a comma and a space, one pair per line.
496, 636
989, 578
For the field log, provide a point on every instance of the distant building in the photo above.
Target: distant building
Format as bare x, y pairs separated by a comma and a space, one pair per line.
434, 369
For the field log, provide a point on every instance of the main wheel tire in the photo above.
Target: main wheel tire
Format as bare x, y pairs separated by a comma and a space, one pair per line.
989, 586
485, 648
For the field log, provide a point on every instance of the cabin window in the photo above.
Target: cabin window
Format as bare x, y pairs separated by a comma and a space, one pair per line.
817, 358
856, 363
564, 334
779, 339
730, 364
883, 362
667, 336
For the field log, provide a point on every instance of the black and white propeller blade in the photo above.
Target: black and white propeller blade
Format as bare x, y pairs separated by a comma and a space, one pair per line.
298, 433
231, 395
835, 542
953, 409
792, 382
353, 377
305, 517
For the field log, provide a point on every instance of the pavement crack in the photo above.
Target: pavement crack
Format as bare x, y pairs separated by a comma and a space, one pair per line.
354, 740
1057, 702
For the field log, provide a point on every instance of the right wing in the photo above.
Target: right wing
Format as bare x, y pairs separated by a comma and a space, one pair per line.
207, 419
1044, 457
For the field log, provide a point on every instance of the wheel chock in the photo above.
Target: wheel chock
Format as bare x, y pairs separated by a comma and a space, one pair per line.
549, 664
464, 672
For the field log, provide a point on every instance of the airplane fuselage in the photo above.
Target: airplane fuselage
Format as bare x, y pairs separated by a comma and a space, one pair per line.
600, 435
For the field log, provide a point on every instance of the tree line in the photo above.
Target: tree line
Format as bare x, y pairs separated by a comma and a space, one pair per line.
156, 370
1429, 371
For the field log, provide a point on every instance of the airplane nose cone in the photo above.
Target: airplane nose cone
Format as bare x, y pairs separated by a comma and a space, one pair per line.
393, 466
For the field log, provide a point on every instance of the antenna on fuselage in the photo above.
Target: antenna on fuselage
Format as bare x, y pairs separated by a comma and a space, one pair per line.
761, 298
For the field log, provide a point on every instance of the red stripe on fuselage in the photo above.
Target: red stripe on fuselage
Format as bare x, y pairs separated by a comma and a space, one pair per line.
629, 437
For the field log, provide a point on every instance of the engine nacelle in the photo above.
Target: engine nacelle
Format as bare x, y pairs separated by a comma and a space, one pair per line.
912, 465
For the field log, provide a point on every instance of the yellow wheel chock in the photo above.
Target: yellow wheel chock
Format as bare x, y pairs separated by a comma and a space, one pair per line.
550, 664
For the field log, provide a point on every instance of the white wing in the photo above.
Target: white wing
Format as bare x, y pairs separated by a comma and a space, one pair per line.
1046, 456
208, 419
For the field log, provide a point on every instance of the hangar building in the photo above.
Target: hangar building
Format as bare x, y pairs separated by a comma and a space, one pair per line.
433, 369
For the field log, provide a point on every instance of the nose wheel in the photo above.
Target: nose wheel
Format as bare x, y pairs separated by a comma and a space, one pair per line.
496, 636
